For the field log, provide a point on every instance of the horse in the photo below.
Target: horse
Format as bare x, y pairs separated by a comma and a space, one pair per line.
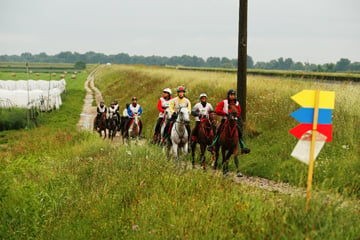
179, 135
112, 125
205, 137
167, 117
101, 125
159, 135
134, 128
229, 142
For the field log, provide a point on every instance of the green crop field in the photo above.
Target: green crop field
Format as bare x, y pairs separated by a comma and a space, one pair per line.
61, 183
335, 76
20, 67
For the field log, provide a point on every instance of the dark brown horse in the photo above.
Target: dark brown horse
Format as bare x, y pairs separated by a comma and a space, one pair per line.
206, 136
101, 125
229, 142
112, 125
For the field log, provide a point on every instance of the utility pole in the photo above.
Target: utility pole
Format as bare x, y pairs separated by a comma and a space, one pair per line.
242, 55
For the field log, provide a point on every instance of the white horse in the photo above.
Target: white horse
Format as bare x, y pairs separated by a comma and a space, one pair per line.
179, 135
134, 129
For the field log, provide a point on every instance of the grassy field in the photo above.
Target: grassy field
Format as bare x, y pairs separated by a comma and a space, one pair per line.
337, 76
20, 67
58, 183
268, 123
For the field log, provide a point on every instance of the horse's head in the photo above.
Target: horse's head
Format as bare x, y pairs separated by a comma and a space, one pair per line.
167, 114
183, 115
233, 110
212, 118
136, 118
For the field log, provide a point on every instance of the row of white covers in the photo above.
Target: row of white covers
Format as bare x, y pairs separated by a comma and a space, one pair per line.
33, 84
43, 99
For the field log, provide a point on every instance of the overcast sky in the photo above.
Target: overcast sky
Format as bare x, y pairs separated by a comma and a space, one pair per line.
315, 31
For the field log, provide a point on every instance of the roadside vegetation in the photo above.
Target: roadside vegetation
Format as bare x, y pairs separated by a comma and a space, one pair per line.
60, 183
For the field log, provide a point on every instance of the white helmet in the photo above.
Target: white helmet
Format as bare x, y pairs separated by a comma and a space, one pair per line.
168, 90
203, 95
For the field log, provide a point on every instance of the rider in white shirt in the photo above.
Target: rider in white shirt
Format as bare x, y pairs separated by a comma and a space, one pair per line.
100, 109
117, 108
200, 110
124, 117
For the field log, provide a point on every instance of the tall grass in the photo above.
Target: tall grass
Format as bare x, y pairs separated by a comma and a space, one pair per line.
58, 183
97, 191
268, 120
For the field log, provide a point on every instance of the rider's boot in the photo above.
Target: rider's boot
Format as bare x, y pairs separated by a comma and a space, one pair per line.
244, 149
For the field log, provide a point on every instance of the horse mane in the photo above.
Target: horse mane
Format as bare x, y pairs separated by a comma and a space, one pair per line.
233, 107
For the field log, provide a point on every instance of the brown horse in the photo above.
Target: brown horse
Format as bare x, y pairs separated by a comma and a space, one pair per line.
206, 135
229, 142
112, 125
101, 125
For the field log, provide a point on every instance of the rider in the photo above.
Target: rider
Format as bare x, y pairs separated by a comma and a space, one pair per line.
117, 108
101, 108
222, 109
175, 104
125, 116
112, 111
163, 104
200, 110
133, 109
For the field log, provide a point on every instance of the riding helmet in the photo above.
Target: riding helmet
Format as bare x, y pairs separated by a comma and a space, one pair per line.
167, 90
181, 89
203, 95
231, 91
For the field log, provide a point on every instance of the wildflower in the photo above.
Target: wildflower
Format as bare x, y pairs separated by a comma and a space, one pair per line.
134, 227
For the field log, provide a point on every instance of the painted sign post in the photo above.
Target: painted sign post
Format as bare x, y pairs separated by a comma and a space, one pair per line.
315, 128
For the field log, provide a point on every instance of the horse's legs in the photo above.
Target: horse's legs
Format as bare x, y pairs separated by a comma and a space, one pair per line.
202, 155
216, 157
224, 161
238, 173
168, 148
193, 147
176, 154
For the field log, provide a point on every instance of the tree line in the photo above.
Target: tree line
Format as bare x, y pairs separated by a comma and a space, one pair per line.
343, 65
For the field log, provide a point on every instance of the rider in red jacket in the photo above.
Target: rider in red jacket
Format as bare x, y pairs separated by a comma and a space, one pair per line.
162, 105
222, 109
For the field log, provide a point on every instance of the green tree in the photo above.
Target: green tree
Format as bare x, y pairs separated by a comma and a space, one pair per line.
80, 65
342, 65
249, 62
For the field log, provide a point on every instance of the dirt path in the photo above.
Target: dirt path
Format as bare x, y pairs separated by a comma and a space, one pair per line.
89, 111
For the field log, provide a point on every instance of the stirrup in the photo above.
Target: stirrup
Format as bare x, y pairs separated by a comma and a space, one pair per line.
211, 148
245, 150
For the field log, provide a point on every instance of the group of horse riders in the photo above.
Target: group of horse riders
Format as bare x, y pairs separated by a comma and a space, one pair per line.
128, 113
200, 110
172, 105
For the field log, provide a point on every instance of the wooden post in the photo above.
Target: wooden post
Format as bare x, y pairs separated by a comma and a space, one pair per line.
312, 149
242, 55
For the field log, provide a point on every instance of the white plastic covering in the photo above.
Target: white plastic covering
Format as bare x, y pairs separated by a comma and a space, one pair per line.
45, 95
